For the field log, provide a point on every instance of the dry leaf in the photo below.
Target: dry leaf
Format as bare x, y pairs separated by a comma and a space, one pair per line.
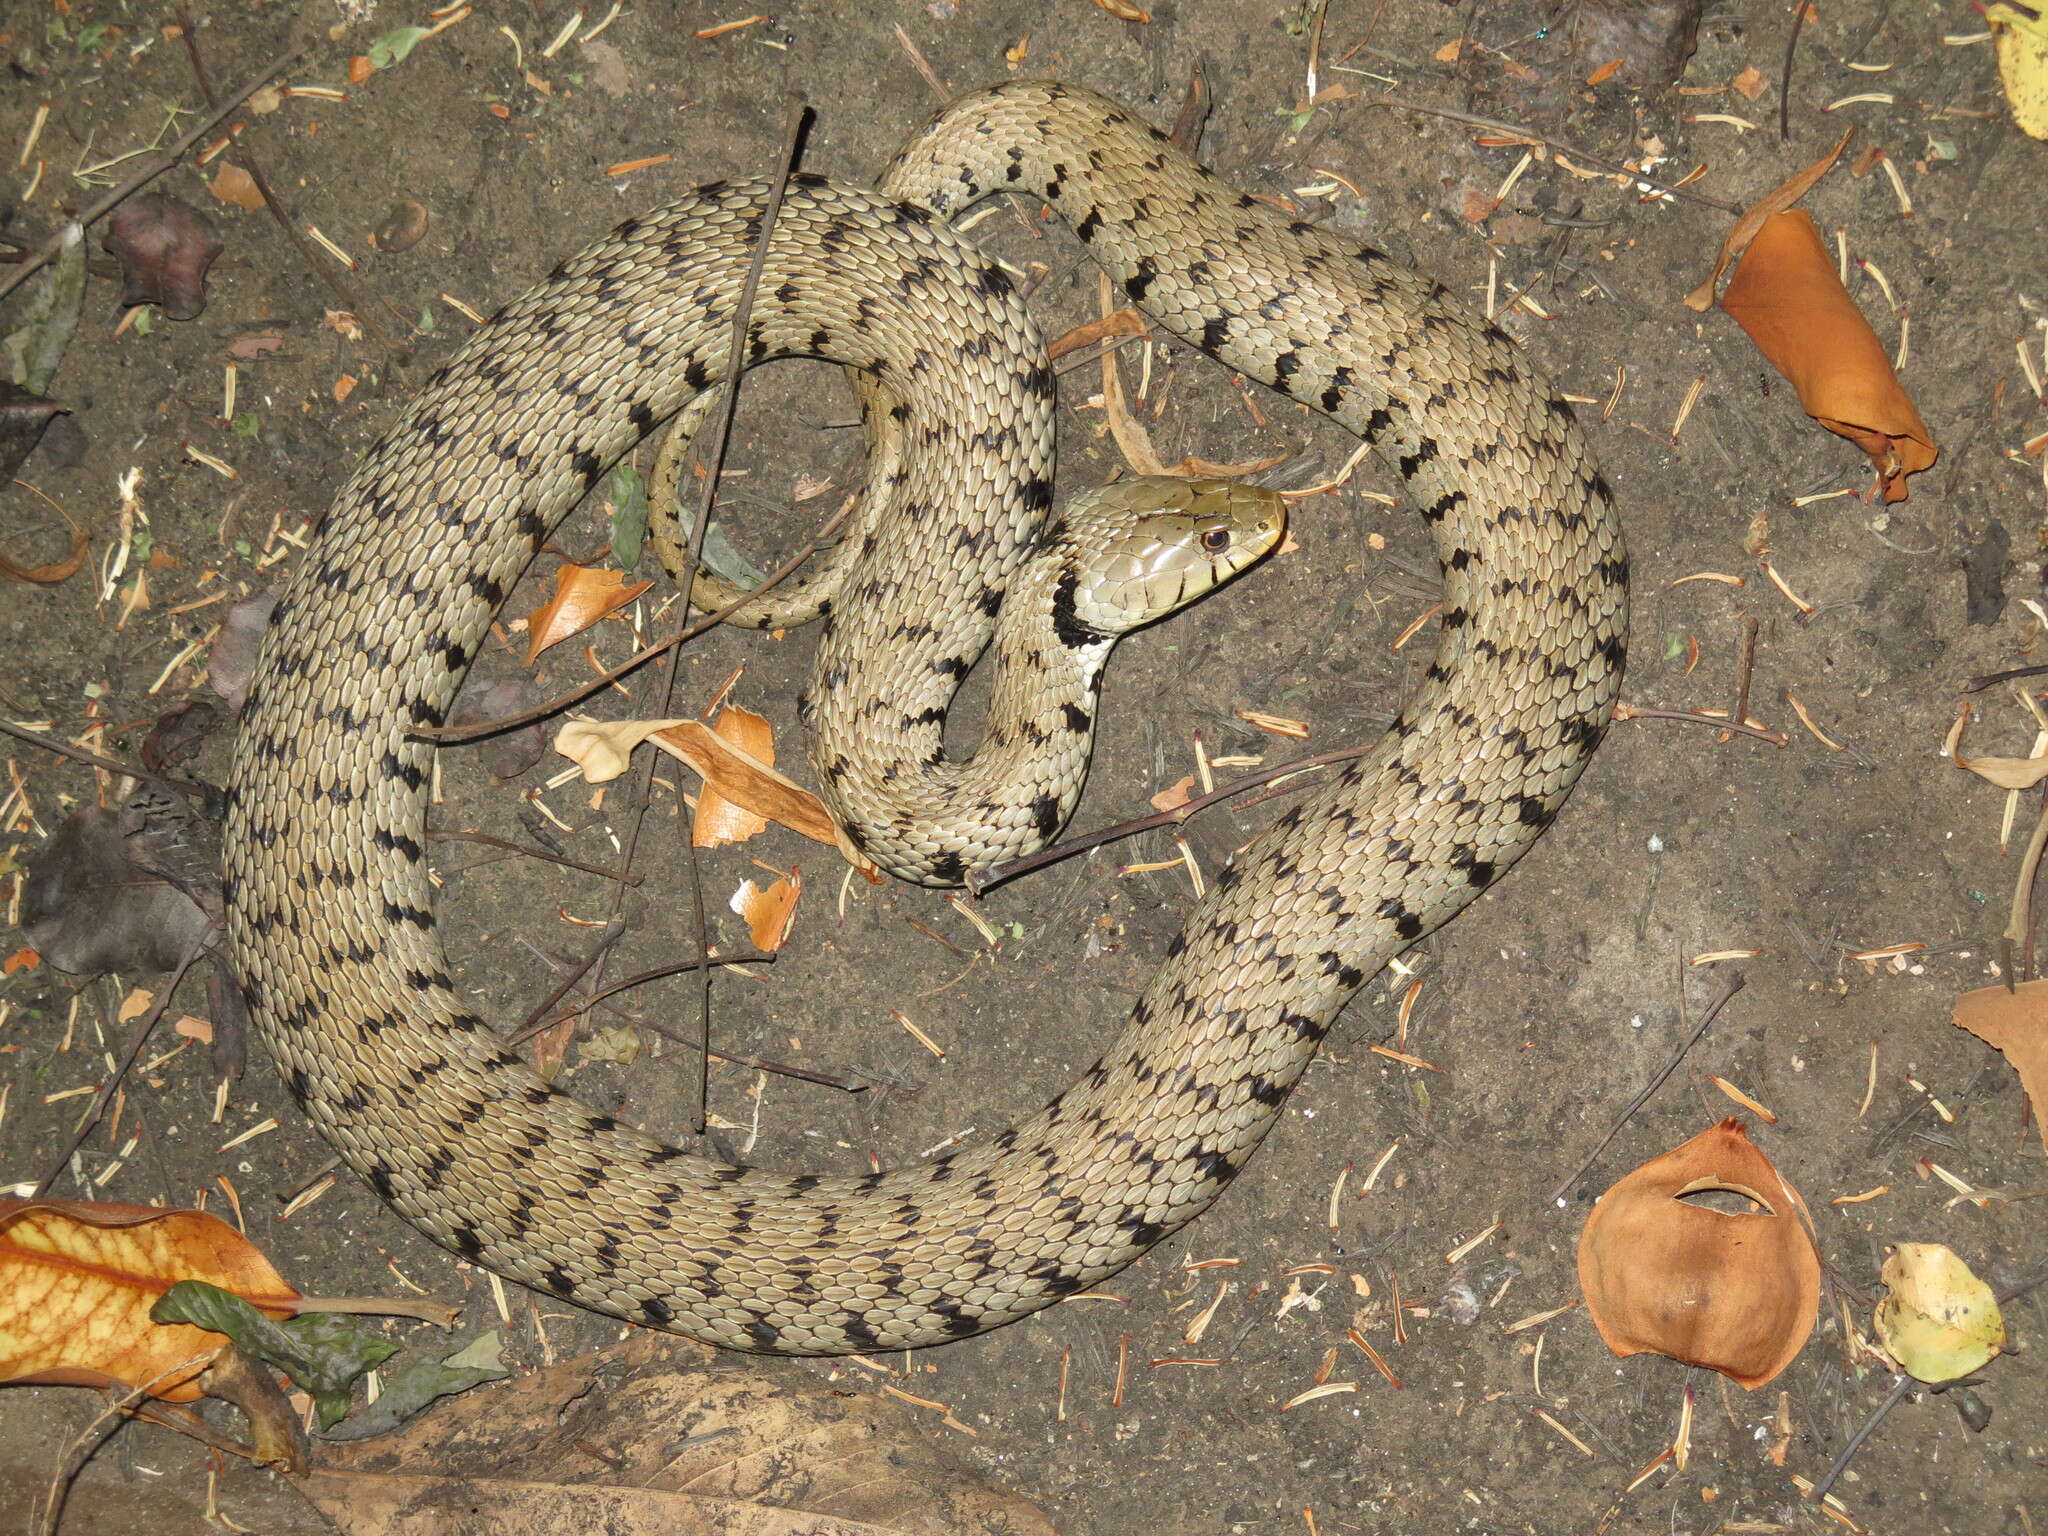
2005, 772
1787, 296
1751, 83
1175, 796
1606, 71
232, 184
1777, 200
1123, 10
77, 1280
583, 595
1448, 53
2020, 34
1940, 1322
56, 571
1737, 1293
2014, 1022
1122, 322
23, 959
718, 821
769, 911
688, 1446
602, 748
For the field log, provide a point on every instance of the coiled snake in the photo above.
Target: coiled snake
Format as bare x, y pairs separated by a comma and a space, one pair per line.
330, 909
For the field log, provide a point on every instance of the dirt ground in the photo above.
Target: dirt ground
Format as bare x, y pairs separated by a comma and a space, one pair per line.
1541, 1011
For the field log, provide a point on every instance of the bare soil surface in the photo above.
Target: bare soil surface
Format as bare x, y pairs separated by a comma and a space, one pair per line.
1540, 1012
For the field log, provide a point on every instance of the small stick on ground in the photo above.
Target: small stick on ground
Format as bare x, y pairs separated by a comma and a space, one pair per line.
1745, 669
981, 881
1785, 75
143, 1027
750, 957
446, 835
94, 760
1735, 984
1992, 679
151, 169
1647, 712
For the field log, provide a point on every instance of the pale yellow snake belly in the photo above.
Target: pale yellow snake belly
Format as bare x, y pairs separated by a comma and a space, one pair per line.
330, 908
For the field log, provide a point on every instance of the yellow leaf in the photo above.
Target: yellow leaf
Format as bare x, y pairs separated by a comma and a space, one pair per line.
2021, 38
1940, 1321
77, 1280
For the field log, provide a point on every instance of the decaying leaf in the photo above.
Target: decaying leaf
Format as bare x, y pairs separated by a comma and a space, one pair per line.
57, 570
232, 661
1119, 322
78, 1279
24, 416
92, 906
583, 595
1734, 1292
769, 910
231, 184
2020, 34
509, 753
2005, 772
2014, 1022
718, 821
1773, 202
602, 748
1787, 296
32, 351
1939, 1321
324, 1353
686, 1446
164, 246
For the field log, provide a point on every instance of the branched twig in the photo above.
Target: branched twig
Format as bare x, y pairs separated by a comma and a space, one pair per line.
442, 834
751, 957
1646, 712
150, 171
1497, 126
980, 881
94, 760
1735, 985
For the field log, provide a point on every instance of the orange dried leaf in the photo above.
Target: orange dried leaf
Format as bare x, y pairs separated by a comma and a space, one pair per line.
1121, 322
232, 184
1737, 1293
1605, 71
1786, 295
77, 1280
584, 594
23, 959
718, 821
1751, 83
1775, 201
1175, 796
56, 571
769, 911
2015, 1023
1123, 10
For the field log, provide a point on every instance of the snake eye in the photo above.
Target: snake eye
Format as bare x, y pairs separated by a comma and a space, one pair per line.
1216, 540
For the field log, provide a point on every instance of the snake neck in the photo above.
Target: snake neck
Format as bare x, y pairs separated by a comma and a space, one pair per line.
942, 816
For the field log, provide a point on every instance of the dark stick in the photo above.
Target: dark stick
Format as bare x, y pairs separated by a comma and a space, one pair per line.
751, 957
625, 877
612, 934
1992, 679
142, 1031
1735, 985
980, 881
1785, 77
149, 172
456, 735
94, 760
1864, 1431
1745, 669
321, 268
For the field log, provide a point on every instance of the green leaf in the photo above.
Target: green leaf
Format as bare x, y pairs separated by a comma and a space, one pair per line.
145, 321
322, 1353
243, 548
91, 37
421, 1382
629, 515
246, 425
393, 47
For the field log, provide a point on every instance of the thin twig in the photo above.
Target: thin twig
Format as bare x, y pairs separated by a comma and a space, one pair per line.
624, 877
150, 171
612, 934
455, 735
1736, 983
1647, 712
980, 881
245, 157
1785, 75
94, 760
751, 957
88, 1440
1745, 669
142, 1031
1497, 126
1992, 679
1900, 1388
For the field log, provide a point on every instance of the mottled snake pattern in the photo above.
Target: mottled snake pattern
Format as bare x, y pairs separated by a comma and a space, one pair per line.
330, 905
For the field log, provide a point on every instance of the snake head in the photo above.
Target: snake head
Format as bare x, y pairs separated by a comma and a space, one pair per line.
1141, 549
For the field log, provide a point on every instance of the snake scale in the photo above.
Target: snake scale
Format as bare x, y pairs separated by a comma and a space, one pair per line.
330, 906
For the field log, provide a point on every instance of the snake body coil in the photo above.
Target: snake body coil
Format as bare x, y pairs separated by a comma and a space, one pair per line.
330, 906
